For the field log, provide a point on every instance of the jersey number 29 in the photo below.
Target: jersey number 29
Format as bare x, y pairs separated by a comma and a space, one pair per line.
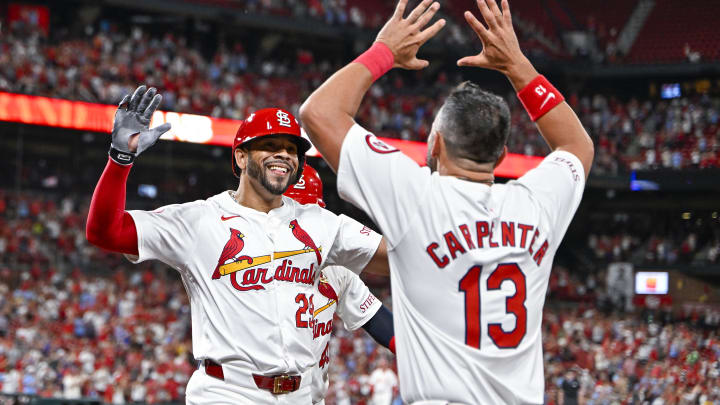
515, 304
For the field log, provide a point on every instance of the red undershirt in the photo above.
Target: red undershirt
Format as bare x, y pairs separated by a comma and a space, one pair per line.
109, 226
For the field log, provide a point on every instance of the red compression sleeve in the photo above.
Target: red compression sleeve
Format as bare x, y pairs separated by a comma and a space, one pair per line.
392, 345
109, 226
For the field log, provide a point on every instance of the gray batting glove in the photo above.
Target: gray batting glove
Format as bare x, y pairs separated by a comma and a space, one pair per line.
133, 118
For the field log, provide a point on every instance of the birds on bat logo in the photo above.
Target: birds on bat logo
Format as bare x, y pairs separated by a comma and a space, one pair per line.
303, 237
232, 248
249, 273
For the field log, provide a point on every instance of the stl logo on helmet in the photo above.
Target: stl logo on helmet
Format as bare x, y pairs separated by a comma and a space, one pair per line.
283, 119
300, 185
248, 273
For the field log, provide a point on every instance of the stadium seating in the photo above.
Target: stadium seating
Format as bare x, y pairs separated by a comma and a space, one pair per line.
613, 15
669, 29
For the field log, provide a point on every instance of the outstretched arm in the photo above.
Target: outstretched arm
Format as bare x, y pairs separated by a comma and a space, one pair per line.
330, 111
109, 226
557, 123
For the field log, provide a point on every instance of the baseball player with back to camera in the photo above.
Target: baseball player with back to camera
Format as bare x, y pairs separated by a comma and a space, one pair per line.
246, 257
340, 291
469, 259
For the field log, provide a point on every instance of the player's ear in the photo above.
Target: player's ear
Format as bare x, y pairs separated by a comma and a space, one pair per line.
241, 157
437, 146
502, 156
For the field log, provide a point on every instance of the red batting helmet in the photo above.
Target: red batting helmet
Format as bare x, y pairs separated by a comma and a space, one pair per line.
270, 122
309, 189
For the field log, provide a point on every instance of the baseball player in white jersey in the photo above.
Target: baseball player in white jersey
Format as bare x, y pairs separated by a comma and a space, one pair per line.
340, 291
384, 383
469, 259
249, 259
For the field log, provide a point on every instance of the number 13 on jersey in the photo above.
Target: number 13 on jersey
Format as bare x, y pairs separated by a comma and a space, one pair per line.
514, 304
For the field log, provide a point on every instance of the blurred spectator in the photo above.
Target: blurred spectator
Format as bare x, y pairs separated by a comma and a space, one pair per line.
384, 384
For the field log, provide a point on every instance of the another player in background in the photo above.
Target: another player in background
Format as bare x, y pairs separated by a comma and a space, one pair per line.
469, 259
384, 384
246, 257
340, 291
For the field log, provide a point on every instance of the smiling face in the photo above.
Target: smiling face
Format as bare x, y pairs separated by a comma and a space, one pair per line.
271, 161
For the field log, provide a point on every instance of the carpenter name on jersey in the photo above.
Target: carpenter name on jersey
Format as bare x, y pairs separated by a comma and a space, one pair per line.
483, 235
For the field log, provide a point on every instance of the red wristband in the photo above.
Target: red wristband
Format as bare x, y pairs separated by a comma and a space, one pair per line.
379, 59
392, 345
539, 97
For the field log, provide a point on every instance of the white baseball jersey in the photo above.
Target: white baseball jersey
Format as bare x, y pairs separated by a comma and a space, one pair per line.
469, 268
342, 291
250, 275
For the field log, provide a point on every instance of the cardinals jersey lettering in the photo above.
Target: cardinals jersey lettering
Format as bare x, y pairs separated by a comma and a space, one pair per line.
469, 265
243, 269
338, 291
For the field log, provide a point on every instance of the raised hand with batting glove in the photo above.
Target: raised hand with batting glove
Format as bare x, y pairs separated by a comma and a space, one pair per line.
131, 133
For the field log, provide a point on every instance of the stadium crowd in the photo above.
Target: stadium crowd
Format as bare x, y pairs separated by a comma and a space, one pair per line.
330, 12
79, 322
594, 358
642, 238
108, 62
115, 333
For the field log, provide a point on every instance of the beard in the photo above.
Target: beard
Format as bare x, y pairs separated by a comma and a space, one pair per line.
256, 171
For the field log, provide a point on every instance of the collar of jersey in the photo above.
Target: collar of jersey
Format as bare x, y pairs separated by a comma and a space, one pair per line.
472, 190
458, 182
231, 206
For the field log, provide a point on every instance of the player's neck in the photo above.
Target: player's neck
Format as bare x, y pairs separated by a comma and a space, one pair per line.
467, 170
256, 197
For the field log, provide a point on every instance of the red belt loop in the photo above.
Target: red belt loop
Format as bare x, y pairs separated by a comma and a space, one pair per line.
213, 369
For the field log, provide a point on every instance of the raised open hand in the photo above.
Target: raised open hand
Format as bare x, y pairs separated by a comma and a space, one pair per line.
405, 36
131, 132
501, 50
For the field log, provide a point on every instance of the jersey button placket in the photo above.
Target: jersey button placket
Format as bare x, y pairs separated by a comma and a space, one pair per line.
273, 224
